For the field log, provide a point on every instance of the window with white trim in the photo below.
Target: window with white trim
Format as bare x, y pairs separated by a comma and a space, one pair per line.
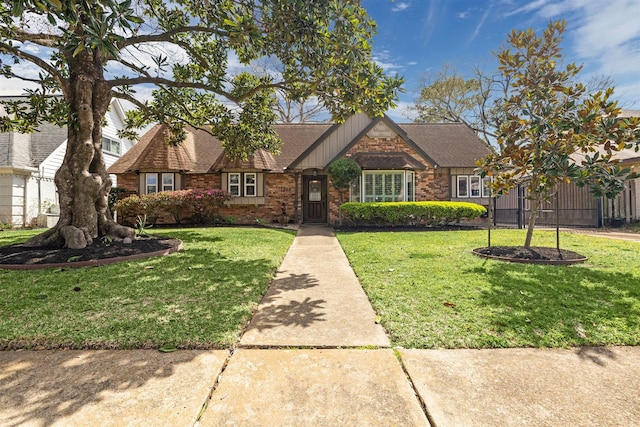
243, 184
151, 183
168, 182
250, 184
474, 185
486, 186
471, 186
234, 183
383, 186
463, 186
111, 146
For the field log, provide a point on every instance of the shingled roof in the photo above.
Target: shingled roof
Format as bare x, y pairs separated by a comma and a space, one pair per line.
195, 155
450, 145
447, 145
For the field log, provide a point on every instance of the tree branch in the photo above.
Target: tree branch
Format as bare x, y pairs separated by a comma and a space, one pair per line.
42, 39
36, 61
167, 36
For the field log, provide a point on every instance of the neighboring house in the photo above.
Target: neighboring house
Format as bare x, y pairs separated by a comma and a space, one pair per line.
400, 162
576, 206
28, 163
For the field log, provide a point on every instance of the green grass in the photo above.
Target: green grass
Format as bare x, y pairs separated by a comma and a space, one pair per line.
201, 297
431, 292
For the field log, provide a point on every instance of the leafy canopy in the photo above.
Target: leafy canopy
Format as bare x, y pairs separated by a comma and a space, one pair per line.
184, 52
342, 172
552, 130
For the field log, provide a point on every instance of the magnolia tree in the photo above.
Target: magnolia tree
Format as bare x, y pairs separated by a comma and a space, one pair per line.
92, 51
552, 131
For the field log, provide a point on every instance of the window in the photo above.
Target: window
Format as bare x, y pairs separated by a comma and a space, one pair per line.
250, 184
155, 182
110, 146
152, 183
167, 182
463, 186
234, 183
471, 186
243, 184
411, 192
475, 186
383, 186
486, 189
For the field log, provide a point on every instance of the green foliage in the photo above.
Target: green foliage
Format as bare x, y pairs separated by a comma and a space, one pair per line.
201, 205
553, 131
323, 49
342, 172
410, 213
142, 226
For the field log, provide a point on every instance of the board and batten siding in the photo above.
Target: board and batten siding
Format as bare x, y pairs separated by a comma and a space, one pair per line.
331, 146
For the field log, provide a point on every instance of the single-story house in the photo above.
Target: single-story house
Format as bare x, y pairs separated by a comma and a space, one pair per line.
400, 162
28, 163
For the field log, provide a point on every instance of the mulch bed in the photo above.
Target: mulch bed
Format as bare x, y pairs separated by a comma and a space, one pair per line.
533, 255
18, 254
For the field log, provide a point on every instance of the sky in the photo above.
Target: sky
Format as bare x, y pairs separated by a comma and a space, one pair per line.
419, 36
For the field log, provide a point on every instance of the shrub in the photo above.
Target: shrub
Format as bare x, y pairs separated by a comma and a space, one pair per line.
177, 203
201, 205
206, 203
410, 213
134, 205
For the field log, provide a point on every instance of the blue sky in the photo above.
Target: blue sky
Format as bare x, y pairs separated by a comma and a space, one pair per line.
418, 36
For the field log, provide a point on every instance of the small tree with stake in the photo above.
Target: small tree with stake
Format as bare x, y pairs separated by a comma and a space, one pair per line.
342, 173
553, 131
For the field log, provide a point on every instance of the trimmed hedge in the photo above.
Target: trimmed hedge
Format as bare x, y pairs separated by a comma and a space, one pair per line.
410, 213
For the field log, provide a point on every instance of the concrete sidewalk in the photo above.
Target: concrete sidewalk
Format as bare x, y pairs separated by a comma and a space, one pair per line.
315, 299
313, 355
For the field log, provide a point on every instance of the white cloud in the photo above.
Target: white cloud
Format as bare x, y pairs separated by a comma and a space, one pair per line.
604, 36
386, 62
403, 112
400, 7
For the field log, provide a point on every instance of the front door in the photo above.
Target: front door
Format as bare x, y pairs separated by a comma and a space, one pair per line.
315, 199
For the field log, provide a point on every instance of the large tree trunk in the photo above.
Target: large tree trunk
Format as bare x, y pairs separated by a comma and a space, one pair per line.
82, 181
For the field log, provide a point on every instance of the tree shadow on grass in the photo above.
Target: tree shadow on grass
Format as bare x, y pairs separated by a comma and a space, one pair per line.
100, 387
196, 298
550, 306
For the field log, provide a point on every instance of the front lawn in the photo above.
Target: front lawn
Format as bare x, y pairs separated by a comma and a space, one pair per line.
431, 292
201, 297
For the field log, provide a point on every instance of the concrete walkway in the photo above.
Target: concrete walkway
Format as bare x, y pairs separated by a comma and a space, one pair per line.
315, 299
314, 356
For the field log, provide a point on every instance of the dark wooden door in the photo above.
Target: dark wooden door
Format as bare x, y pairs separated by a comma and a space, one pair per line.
315, 199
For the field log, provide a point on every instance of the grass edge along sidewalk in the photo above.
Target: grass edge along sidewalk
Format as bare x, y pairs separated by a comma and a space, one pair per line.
429, 291
200, 297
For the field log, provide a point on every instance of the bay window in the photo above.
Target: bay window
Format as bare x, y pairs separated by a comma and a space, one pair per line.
383, 186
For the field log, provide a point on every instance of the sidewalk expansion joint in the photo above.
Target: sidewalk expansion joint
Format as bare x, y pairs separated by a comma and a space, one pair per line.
423, 405
214, 387
309, 347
